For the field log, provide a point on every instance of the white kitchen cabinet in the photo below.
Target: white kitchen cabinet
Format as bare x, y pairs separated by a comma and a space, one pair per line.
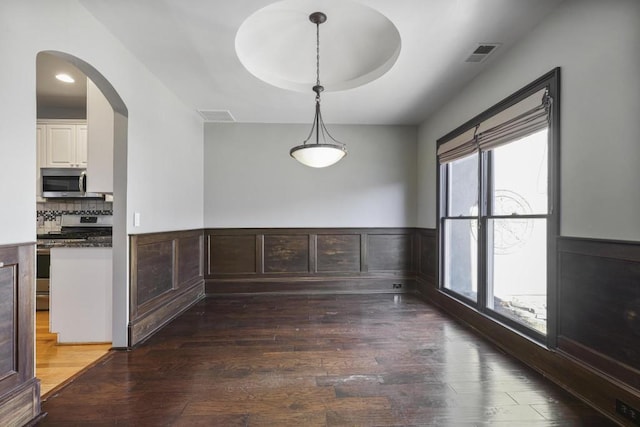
81, 145
64, 143
80, 294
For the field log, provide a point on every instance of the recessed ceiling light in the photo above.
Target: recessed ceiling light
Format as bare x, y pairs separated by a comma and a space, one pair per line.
65, 78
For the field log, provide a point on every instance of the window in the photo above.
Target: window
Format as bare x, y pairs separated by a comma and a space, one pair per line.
460, 272
498, 188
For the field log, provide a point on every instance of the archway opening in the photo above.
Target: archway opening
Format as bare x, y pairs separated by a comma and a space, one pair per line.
73, 107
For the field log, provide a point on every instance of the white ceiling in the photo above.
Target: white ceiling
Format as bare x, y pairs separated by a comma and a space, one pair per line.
190, 46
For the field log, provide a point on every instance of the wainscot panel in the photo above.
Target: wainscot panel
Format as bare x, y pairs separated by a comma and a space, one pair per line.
19, 389
390, 252
598, 345
190, 258
167, 277
286, 254
231, 254
155, 269
314, 260
337, 253
599, 296
427, 258
8, 320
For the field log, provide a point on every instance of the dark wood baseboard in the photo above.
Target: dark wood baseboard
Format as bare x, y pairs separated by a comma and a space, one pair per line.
323, 285
600, 362
145, 326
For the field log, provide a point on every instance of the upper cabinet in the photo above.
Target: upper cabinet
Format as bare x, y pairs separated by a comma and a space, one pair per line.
64, 143
81, 145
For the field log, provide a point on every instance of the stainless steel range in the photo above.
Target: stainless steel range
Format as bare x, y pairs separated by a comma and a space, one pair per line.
81, 227
76, 230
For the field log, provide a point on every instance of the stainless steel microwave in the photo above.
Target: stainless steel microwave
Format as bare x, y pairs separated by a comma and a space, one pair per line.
66, 183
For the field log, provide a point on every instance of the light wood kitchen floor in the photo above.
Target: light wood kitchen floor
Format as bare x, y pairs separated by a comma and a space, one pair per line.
55, 364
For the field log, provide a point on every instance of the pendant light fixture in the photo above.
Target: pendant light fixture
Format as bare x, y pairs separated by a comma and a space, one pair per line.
323, 152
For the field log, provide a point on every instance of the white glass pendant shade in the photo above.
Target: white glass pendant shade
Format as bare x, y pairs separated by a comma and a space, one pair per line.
318, 155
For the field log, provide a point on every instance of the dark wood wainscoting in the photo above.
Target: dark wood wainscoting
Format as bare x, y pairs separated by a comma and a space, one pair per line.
599, 295
598, 353
428, 259
19, 389
332, 260
167, 277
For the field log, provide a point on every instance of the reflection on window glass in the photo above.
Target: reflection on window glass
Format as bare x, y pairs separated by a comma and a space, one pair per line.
517, 271
461, 247
463, 186
520, 176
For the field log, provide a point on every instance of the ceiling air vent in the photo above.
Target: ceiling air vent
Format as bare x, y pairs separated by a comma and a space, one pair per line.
482, 52
216, 115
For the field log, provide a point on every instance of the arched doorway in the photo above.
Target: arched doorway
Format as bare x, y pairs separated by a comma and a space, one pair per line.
119, 268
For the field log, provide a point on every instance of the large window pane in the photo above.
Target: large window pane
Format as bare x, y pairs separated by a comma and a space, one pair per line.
461, 247
517, 270
462, 188
520, 176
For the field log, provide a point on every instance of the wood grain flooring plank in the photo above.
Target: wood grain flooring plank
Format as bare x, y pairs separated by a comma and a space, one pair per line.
226, 420
294, 418
364, 418
250, 400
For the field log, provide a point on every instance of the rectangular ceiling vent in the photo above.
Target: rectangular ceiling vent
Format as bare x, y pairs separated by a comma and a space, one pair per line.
482, 52
216, 115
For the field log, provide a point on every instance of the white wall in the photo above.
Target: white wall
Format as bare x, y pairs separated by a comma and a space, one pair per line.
596, 44
165, 138
251, 181
100, 142
165, 143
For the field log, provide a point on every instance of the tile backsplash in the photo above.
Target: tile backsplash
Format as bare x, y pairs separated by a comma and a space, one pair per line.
49, 213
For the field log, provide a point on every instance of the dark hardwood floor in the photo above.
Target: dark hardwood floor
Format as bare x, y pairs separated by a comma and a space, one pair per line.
376, 360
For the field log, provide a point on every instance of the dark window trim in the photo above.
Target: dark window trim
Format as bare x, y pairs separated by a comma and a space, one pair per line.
552, 81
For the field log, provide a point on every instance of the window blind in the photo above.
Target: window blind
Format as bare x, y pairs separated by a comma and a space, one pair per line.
517, 121
524, 118
458, 147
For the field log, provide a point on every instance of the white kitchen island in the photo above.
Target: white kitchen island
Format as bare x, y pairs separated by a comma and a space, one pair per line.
81, 286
